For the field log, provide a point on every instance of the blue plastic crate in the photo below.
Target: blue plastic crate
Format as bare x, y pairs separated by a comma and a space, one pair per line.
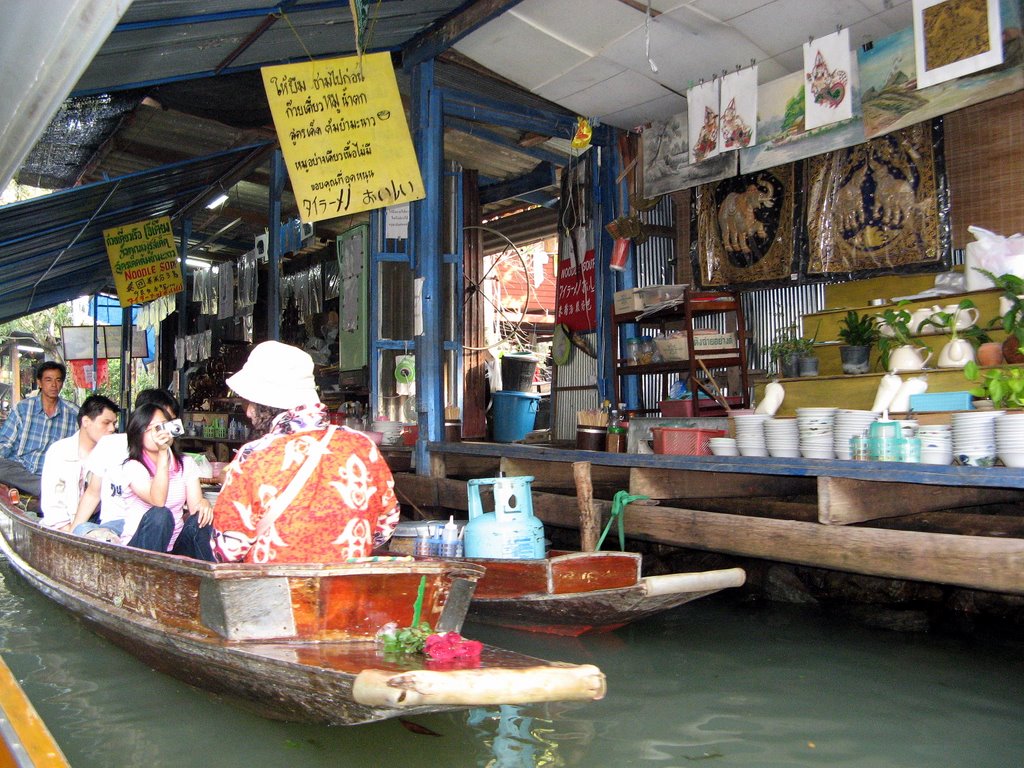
941, 401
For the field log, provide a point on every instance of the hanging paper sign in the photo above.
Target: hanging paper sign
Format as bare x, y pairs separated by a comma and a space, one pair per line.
954, 38
144, 260
343, 134
738, 123
828, 97
702, 112
574, 304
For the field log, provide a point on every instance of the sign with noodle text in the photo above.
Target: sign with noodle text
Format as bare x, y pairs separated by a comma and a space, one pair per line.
144, 260
343, 134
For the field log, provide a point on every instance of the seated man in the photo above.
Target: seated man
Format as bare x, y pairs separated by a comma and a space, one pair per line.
64, 475
105, 469
34, 424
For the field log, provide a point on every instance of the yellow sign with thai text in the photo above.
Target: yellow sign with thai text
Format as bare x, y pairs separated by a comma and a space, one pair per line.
144, 260
343, 134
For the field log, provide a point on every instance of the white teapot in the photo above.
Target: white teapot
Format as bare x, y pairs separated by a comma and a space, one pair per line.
956, 354
965, 318
918, 316
909, 358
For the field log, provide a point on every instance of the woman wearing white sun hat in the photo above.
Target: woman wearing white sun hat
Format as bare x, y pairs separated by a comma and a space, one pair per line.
306, 491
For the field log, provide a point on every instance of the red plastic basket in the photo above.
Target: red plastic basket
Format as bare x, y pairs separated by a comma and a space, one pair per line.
684, 441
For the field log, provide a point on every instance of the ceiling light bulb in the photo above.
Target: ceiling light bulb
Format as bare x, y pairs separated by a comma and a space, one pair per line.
218, 201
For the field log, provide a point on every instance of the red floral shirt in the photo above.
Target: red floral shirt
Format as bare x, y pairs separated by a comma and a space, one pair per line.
345, 509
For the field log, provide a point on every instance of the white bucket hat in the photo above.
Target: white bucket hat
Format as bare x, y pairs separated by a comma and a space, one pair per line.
277, 375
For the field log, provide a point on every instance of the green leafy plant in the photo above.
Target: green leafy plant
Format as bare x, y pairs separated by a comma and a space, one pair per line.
858, 330
406, 639
947, 322
897, 319
1011, 321
1003, 386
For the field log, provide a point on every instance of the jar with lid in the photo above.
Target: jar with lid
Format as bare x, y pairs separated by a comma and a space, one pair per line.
633, 346
647, 350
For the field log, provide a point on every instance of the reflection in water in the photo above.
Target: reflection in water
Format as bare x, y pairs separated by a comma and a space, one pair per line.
714, 680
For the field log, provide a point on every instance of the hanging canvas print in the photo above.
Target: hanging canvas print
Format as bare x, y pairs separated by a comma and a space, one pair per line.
888, 78
780, 126
827, 92
738, 122
744, 229
666, 159
878, 206
702, 110
953, 38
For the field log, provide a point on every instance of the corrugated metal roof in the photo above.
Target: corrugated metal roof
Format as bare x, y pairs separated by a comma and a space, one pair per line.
51, 248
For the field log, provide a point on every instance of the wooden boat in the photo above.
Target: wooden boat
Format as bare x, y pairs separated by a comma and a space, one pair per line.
25, 741
296, 641
572, 593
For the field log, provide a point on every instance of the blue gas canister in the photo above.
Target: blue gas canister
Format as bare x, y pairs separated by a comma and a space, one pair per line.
510, 531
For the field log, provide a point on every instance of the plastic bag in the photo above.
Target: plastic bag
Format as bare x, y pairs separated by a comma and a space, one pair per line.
995, 253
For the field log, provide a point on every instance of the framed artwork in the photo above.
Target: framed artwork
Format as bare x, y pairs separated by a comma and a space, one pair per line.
953, 38
745, 229
877, 207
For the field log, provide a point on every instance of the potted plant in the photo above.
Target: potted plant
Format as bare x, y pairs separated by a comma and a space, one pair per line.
898, 347
858, 333
963, 341
784, 352
1003, 386
1011, 311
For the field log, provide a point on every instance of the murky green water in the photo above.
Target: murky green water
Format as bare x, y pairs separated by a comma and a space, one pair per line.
713, 683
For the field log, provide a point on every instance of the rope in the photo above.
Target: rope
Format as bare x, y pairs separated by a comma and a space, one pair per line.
619, 502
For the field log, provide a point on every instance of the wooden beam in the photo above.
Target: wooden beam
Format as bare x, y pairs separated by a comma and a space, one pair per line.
842, 500
590, 523
683, 484
554, 475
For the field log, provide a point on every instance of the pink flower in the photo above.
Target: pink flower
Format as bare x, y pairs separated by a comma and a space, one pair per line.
451, 646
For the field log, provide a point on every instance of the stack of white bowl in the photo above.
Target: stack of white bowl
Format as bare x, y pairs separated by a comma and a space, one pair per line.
816, 427
723, 446
848, 424
782, 437
750, 434
1010, 439
936, 443
974, 437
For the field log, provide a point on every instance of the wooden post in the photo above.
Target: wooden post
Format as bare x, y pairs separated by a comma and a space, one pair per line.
590, 523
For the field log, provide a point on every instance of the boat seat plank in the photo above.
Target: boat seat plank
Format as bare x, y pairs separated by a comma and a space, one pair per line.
681, 484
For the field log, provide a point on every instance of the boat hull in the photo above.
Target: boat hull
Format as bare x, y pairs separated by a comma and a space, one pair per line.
295, 640
575, 593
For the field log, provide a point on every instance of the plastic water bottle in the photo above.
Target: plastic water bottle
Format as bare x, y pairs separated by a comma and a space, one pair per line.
435, 541
451, 544
421, 548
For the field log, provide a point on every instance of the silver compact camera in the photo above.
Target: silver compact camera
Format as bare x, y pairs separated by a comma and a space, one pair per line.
174, 426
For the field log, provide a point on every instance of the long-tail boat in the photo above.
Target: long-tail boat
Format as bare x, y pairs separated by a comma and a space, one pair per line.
573, 593
297, 641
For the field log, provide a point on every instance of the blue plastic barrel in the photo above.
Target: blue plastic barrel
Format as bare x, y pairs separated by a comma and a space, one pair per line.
514, 414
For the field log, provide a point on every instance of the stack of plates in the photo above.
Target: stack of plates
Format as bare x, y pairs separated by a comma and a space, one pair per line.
816, 427
782, 438
723, 446
849, 424
974, 437
936, 443
1010, 439
750, 434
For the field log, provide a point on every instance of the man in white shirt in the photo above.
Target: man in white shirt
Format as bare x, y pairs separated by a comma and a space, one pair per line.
106, 481
64, 475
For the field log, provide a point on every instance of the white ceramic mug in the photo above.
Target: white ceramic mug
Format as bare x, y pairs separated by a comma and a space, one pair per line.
909, 358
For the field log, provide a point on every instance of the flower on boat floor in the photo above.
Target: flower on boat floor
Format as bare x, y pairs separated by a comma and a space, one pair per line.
451, 646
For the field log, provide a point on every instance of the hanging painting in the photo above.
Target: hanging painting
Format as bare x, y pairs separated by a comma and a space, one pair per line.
702, 112
953, 38
666, 159
827, 93
878, 207
780, 126
888, 78
744, 229
738, 98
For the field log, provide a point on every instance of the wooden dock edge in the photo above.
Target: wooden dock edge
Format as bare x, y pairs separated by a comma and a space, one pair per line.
26, 741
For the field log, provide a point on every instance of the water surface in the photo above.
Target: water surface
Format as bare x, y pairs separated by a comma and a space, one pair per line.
715, 683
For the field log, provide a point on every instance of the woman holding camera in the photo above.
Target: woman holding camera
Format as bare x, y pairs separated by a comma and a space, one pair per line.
158, 483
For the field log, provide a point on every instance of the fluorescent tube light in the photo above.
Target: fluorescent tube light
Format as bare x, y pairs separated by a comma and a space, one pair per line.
218, 201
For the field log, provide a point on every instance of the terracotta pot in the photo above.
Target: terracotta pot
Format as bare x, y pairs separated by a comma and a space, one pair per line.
990, 353
1011, 350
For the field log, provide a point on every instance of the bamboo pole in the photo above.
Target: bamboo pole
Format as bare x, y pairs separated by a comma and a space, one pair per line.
590, 522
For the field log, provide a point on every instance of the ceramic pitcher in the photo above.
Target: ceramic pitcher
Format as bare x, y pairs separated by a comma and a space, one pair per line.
956, 354
909, 358
965, 318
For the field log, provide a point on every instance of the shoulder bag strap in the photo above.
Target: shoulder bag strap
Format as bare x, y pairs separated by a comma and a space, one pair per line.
287, 496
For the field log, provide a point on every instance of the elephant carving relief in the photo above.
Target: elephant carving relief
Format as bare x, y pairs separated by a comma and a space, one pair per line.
737, 216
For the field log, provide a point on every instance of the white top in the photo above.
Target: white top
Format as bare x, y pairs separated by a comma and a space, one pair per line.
107, 462
62, 483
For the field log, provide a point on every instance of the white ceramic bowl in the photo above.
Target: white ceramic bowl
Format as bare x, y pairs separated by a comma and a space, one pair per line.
724, 450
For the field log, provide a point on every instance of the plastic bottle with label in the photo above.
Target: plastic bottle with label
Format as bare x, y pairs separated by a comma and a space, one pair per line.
451, 544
